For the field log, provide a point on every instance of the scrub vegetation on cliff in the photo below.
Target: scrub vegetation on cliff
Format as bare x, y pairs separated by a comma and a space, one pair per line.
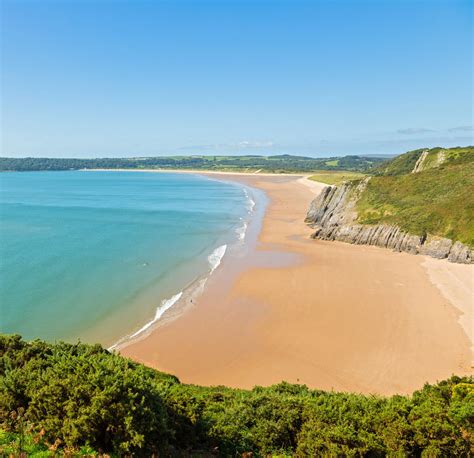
75, 399
431, 158
335, 177
424, 192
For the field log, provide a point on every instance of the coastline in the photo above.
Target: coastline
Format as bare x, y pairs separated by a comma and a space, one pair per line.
173, 307
456, 284
327, 314
200, 172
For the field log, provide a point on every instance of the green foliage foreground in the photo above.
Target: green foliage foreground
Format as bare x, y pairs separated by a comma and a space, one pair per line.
80, 396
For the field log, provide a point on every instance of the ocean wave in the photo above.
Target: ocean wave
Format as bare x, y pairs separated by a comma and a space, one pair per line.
216, 256
162, 308
251, 205
251, 202
241, 231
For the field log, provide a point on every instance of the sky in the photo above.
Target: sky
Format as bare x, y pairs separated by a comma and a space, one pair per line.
123, 78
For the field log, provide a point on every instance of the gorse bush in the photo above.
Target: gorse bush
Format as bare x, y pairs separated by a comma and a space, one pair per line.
82, 397
81, 393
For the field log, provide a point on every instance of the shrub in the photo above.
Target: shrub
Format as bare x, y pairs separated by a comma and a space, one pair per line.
81, 397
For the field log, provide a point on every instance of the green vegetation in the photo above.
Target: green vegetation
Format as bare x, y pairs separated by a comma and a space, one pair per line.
271, 164
33, 445
436, 158
335, 178
79, 398
399, 165
438, 200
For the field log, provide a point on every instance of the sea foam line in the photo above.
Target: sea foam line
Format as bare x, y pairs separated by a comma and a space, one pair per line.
251, 202
216, 256
162, 308
241, 231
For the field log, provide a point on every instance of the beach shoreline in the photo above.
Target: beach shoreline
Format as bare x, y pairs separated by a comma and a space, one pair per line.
173, 307
326, 314
202, 172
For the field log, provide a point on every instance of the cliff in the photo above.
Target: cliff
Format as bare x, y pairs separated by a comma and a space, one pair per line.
333, 215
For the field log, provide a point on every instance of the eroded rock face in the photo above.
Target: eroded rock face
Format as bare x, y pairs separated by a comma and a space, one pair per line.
461, 253
436, 247
333, 216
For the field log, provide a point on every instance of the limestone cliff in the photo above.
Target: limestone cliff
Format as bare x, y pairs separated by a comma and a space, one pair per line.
333, 216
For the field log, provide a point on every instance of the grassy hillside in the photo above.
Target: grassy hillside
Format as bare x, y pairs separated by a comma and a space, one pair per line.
273, 164
435, 158
335, 178
80, 398
438, 200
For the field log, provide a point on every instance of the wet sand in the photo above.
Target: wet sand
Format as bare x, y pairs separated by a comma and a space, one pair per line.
327, 314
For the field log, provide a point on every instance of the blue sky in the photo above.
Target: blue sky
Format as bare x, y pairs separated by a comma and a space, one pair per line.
131, 78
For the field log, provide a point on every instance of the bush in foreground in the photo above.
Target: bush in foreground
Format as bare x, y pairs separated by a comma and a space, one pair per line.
82, 397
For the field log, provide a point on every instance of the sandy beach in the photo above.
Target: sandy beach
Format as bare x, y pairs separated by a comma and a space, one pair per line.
326, 314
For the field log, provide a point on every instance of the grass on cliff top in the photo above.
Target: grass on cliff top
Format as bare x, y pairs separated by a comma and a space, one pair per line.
437, 201
405, 163
335, 178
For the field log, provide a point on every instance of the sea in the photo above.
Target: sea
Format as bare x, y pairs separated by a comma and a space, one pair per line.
102, 256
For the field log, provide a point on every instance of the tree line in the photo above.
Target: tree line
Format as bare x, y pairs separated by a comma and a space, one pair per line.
281, 163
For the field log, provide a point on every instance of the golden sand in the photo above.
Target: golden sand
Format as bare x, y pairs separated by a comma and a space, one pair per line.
332, 316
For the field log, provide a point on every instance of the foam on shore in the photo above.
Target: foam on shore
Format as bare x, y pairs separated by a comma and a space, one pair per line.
162, 308
165, 305
241, 231
216, 256
251, 202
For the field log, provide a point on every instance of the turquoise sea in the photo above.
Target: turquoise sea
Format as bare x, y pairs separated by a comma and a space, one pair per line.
98, 255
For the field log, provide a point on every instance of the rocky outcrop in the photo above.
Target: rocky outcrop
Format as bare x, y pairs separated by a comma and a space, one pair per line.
461, 253
333, 216
419, 163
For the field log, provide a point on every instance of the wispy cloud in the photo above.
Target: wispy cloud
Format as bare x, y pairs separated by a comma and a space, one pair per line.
461, 129
423, 130
414, 131
244, 144
254, 144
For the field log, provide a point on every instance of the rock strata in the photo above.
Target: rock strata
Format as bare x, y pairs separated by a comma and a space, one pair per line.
333, 216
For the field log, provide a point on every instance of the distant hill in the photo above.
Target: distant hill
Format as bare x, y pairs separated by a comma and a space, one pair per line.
384, 156
271, 164
421, 202
424, 159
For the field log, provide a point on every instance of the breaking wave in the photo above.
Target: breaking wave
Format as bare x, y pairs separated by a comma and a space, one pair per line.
250, 202
162, 308
216, 256
241, 231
